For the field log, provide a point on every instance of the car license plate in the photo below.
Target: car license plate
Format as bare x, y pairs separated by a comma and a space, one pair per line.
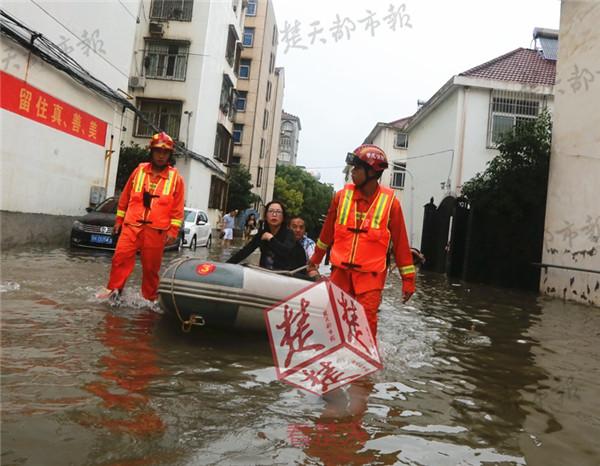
101, 239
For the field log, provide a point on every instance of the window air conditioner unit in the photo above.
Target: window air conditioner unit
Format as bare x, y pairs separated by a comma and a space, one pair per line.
156, 29
137, 82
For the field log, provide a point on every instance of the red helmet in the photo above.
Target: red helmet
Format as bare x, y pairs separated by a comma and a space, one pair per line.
369, 155
162, 141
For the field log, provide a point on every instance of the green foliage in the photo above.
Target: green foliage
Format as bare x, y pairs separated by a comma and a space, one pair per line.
519, 174
302, 195
129, 158
240, 195
508, 203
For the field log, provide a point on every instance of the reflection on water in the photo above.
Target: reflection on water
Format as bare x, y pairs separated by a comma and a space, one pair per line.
472, 376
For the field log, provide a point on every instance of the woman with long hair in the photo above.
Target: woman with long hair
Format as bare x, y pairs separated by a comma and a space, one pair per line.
279, 249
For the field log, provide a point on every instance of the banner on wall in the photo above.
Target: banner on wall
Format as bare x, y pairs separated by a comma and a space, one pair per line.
21, 98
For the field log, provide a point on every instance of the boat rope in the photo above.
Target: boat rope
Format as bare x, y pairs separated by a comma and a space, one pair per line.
276, 272
186, 325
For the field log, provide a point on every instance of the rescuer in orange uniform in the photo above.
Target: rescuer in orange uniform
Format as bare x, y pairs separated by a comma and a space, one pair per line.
149, 216
362, 219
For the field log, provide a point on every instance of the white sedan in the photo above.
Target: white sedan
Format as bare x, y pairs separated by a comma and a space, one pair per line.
197, 230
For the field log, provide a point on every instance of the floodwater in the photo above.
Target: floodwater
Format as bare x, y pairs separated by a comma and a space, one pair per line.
472, 376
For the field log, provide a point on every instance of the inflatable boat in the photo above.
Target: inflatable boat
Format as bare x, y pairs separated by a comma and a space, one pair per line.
213, 294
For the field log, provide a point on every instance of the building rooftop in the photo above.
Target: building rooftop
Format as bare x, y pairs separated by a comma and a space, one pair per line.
521, 65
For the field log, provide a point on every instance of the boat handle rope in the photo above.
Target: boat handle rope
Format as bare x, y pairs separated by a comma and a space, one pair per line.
276, 272
186, 325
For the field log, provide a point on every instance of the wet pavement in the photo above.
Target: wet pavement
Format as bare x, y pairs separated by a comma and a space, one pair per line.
472, 375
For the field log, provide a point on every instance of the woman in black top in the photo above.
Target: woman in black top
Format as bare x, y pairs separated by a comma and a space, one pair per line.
279, 249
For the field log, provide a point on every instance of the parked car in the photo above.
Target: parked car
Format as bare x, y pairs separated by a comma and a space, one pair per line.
95, 229
197, 230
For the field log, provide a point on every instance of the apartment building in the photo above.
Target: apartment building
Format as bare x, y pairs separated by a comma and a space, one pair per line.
289, 139
185, 67
260, 92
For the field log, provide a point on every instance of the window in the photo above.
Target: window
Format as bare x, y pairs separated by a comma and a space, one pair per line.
508, 109
236, 160
401, 141
218, 191
286, 142
238, 57
398, 175
177, 10
232, 39
274, 41
287, 126
251, 11
245, 68
272, 63
238, 132
259, 176
241, 101
269, 86
223, 145
266, 119
166, 60
166, 114
248, 39
226, 94
262, 148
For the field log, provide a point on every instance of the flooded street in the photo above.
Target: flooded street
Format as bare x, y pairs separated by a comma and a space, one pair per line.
472, 375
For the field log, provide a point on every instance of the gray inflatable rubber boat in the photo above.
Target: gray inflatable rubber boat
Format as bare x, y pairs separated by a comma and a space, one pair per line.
213, 294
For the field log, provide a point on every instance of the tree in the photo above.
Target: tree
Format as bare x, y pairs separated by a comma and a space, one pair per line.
302, 195
129, 158
240, 189
508, 203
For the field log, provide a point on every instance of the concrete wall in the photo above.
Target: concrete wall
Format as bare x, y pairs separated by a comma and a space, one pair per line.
429, 159
33, 230
45, 170
572, 236
278, 90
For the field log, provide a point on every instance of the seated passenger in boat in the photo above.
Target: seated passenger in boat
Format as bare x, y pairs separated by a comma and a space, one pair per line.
279, 249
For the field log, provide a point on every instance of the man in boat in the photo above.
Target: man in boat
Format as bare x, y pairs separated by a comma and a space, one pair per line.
149, 216
298, 226
362, 220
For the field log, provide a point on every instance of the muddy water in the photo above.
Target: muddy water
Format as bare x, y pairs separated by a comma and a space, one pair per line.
473, 375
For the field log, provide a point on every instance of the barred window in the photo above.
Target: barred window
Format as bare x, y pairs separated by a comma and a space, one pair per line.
223, 144
177, 10
166, 114
166, 60
218, 191
508, 109
251, 9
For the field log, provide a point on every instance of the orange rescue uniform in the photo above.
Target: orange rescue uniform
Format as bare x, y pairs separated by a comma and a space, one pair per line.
146, 229
360, 228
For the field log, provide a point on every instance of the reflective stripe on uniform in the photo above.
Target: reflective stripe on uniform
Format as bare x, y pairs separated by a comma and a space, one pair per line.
379, 210
176, 222
120, 213
139, 180
169, 182
408, 270
321, 244
345, 207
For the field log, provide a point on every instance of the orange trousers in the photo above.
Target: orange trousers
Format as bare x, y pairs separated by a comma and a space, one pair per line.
365, 287
150, 242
